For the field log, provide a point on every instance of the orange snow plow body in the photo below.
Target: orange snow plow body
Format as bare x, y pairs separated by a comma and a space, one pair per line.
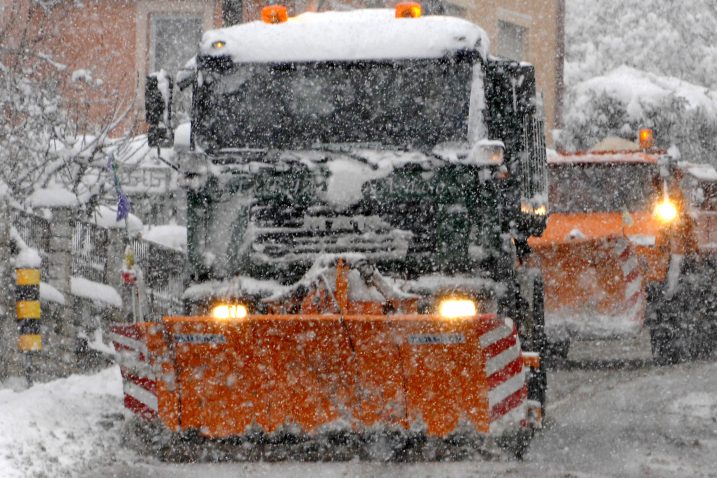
314, 372
593, 286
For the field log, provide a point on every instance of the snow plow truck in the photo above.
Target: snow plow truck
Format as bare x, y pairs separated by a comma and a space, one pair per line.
357, 249
625, 248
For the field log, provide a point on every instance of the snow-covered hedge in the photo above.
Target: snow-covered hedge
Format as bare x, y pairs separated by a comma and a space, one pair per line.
625, 99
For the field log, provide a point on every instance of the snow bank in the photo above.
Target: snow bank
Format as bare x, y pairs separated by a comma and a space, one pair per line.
172, 236
49, 294
639, 90
355, 35
56, 197
88, 289
591, 325
105, 216
28, 257
61, 427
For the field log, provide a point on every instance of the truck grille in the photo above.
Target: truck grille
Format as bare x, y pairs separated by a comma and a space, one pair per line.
315, 235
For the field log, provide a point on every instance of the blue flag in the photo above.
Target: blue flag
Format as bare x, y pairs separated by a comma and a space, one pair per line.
123, 204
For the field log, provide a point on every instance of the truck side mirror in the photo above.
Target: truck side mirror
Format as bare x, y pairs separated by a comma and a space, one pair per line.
158, 109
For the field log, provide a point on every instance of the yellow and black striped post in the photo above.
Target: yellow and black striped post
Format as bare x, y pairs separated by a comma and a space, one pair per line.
27, 309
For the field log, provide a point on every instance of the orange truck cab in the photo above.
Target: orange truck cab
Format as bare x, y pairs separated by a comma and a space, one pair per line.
601, 221
624, 230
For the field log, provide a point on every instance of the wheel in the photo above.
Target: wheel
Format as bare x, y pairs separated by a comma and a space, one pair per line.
558, 350
665, 349
537, 379
518, 443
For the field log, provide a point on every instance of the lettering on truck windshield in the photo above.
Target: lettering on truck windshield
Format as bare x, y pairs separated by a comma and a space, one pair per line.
403, 103
602, 187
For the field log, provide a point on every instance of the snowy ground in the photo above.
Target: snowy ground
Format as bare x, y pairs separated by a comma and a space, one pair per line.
605, 419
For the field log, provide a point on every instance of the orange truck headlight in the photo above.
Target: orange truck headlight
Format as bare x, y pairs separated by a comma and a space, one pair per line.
455, 308
229, 311
665, 211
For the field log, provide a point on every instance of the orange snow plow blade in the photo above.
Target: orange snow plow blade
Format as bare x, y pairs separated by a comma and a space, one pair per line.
310, 372
319, 372
593, 287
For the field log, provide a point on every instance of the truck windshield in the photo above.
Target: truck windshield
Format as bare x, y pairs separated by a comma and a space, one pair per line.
403, 103
602, 187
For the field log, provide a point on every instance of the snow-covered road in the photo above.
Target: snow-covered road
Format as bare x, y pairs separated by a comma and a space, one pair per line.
638, 420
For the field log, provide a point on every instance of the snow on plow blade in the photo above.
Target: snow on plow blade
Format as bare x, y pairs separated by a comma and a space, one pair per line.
593, 288
315, 373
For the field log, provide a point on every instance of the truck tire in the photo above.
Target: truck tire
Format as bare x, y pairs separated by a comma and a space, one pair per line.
681, 324
556, 352
666, 346
538, 384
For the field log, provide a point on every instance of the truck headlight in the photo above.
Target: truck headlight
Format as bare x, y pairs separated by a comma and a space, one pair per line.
229, 311
455, 308
665, 211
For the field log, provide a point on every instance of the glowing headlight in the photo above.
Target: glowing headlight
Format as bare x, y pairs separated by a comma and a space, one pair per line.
454, 308
229, 311
665, 211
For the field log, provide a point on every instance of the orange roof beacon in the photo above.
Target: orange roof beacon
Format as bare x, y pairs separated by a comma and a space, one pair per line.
357, 248
628, 225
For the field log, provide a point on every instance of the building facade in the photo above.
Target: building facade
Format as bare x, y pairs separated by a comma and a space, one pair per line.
531, 31
110, 46
106, 48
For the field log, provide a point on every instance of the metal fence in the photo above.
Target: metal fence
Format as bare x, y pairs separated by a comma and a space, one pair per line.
162, 267
163, 270
90, 247
34, 230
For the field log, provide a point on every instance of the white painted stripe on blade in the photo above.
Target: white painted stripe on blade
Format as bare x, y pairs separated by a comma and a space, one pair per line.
620, 248
629, 265
509, 420
632, 288
493, 336
141, 395
502, 359
506, 389
131, 343
636, 310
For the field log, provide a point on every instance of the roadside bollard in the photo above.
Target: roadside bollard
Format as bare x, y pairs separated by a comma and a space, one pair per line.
27, 312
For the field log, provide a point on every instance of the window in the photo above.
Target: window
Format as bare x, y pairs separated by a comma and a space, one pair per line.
174, 41
602, 187
511, 41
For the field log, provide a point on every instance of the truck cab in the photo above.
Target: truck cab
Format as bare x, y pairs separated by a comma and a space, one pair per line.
360, 189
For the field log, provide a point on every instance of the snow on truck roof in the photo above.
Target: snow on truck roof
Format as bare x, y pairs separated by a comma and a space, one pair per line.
701, 171
372, 34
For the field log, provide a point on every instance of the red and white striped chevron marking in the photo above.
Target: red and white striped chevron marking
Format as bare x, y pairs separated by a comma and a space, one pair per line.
634, 291
138, 376
507, 384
